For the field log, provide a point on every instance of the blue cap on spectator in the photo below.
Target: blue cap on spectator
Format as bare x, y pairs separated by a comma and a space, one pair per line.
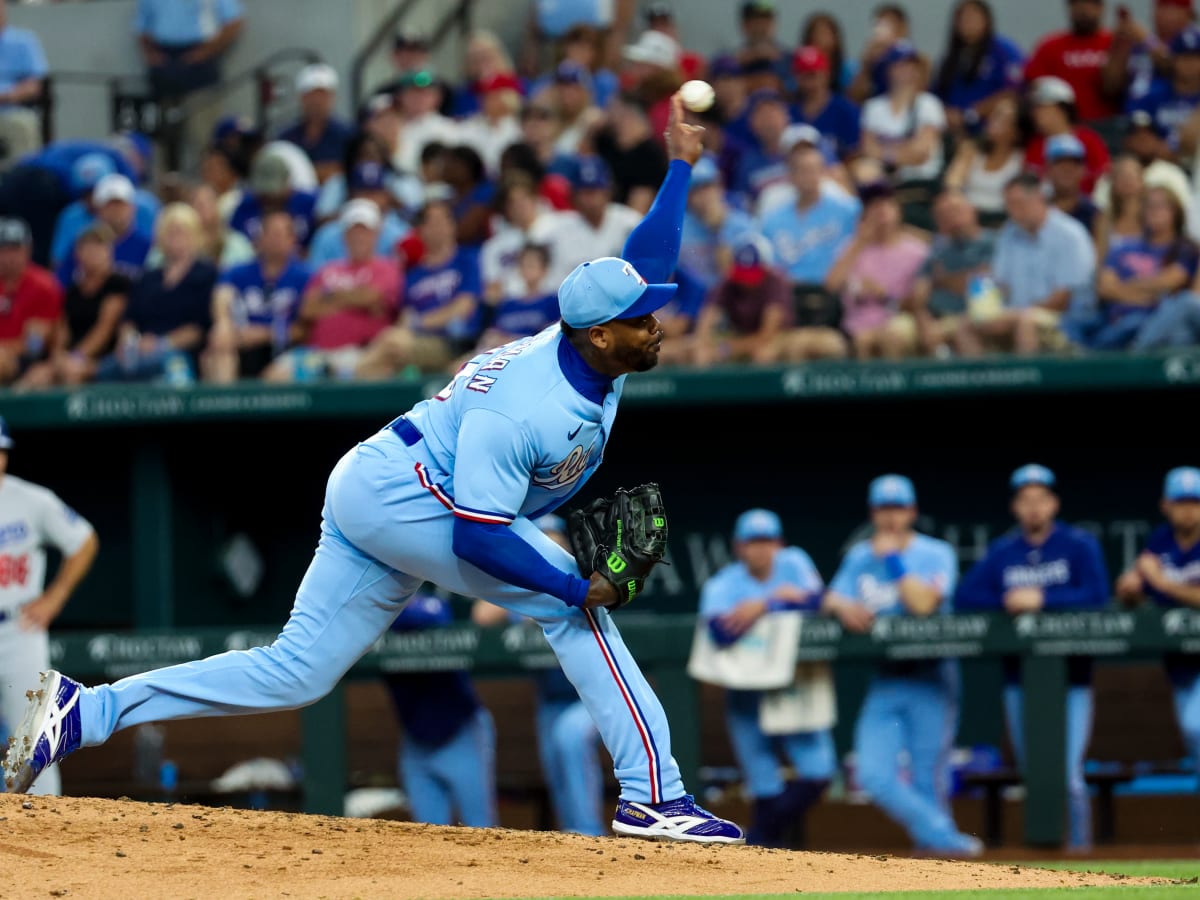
1182, 483
609, 288
551, 522
232, 125
761, 96
724, 66
591, 172
6, 440
1141, 118
1031, 474
705, 172
751, 258
89, 169
1065, 146
901, 51
891, 490
1187, 41
571, 72
757, 525
368, 176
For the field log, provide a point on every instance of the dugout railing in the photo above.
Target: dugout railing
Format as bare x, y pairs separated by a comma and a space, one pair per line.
661, 643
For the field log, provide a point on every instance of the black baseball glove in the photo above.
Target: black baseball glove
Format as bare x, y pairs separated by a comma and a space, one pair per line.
622, 538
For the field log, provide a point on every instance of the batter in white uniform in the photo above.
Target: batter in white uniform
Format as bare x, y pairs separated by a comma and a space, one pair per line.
32, 517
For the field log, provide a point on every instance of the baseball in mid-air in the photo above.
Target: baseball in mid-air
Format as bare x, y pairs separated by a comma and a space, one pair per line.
697, 95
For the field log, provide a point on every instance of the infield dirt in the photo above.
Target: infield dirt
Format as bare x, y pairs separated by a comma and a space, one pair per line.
87, 848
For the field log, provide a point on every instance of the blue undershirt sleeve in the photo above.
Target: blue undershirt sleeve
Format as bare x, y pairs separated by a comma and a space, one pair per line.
502, 553
653, 246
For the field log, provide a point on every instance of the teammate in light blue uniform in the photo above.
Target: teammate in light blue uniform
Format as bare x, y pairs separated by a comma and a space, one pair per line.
1168, 572
446, 494
1044, 565
447, 758
910, 706
768, 577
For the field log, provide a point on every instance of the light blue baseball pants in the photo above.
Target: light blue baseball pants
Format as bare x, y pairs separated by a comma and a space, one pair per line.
1079, 732
456, 782
568, 745
1187, 713
811, 754
921, 717
383, 535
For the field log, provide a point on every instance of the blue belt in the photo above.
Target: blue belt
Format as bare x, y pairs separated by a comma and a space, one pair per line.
405, 430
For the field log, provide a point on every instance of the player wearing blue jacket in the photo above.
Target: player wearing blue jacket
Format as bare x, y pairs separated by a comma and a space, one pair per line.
447, 757
910, 706
446, 494
1168, 573
1044, 565
768, 577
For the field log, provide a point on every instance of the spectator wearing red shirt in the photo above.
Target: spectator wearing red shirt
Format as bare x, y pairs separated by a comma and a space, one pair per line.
347, 303
1079, 57
1052, 103
31, 301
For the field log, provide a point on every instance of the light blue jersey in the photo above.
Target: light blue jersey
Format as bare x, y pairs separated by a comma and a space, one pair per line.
808, 242
546, 441
863, 576
734, 584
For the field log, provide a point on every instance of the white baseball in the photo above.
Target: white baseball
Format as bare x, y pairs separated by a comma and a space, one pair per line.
697, 95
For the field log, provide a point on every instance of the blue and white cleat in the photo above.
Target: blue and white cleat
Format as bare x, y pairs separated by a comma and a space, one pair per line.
48, 732
675, 820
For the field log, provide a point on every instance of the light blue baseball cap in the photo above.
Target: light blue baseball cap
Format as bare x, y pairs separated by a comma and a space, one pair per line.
1065, 146
1031, 474
608, 288
704, 172
891, 490
1182, 483
757, 525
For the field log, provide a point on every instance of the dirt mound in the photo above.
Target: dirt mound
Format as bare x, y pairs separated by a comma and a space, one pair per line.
84, 848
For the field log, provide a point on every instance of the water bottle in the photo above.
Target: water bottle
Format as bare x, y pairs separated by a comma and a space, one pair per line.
307, 365
177, 370
129, 353
168, 779
984, 301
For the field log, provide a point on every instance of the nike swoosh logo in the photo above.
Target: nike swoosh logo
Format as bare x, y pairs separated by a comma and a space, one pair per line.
571, 435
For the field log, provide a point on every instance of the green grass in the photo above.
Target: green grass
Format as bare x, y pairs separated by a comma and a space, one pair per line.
1179, 870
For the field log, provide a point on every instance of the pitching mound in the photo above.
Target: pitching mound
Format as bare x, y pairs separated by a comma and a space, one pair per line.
84, 848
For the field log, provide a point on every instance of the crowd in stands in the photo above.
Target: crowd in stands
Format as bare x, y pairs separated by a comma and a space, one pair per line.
876, 202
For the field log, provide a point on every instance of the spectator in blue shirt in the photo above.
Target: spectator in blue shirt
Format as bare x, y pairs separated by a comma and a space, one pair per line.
763, 164
910, 707
808, 235
1066, 168
319, 133
368, 181
463, 169
182, 43
23, 69
113, 199
83, 174
1172, 100
710, 226
978, 68
255, 305
1044, 565
835, 117
1167, 572
269, 189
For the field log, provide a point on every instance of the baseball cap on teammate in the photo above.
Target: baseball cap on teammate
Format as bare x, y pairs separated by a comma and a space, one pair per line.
6, 441
1031, 474
608, 288
891, 490
757, 525
1182, 483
